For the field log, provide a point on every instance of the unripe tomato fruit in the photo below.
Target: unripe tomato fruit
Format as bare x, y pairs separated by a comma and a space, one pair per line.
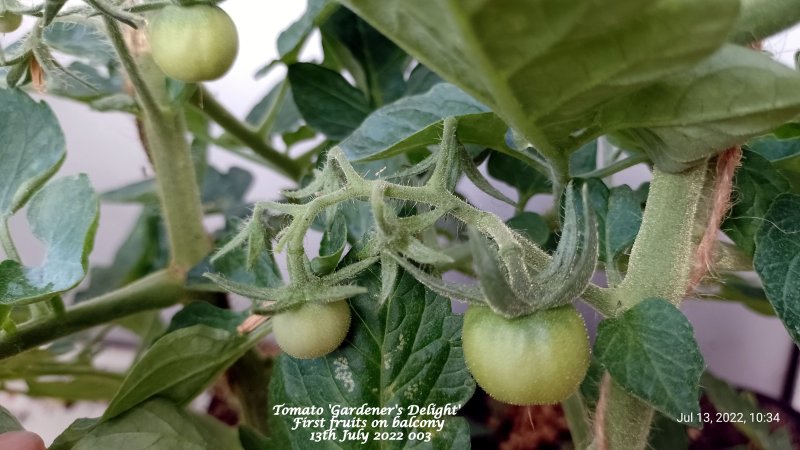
193, 43
531, 360
9, 21
313, 329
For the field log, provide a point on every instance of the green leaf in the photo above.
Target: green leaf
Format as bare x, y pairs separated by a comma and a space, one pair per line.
619, 216
74, 433
381, 60
540, 64
223, 191
651, 352
332, 246
421, 80
291, 40
83, 38
776, 260
8, 422
68, 236
204, 313
407, 352
726, 400
525, 179
160, 425
180, 365
532, 226
32, 148
326, 100
288, 116
93, 387
736, 289
238, 263
414, 122
584, 159
757, 183
680, 120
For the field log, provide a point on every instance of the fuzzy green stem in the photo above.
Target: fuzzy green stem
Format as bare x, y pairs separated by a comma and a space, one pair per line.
614, 167
249, 137
759, 19
7, 242
156, 291
578, 420
623, 422
663, 254
165, 132
274, 108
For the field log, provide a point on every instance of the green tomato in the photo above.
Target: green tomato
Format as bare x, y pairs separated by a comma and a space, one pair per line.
9, 21
536, 359
193, 43
313, 329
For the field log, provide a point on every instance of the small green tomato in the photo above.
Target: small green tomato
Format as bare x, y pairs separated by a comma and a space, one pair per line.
193, 43
9, 21
536, 359
312, 330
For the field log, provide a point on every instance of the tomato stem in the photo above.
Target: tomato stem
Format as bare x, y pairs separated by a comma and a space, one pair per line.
165, 132
249, 137
155, 291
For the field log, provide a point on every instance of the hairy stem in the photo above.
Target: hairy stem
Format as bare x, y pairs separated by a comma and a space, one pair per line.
165, 132
7, 242
578, 420
249, 137
155, 291
662, 257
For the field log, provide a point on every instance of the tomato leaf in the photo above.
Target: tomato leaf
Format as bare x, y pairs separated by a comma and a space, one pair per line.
8, 422
159, 425
776, 260
331, 247
619, 216
532, 226
680, 120
525, 179
540, 65
68, 236
204, 313
421, 80
32, 148
757, 183
291, 40
406, 352
415, 122
782, 150
180, 365
380, 60
650, 351
288, 116
327, 101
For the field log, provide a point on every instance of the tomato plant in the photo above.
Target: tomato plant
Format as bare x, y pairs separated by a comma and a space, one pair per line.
312, 330
193, 43
407, 152
540, 358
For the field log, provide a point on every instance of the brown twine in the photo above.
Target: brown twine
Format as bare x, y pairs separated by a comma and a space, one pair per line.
250, 323
600, 411
727, 162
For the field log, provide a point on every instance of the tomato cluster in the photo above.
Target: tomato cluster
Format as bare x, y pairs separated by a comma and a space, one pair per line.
193, 43
536, 359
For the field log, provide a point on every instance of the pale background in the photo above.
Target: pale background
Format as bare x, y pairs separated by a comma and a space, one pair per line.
746, 349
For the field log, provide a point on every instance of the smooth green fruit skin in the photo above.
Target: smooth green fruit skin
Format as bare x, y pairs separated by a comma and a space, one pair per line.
193, 43
537, 359
312, 330
9, 22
